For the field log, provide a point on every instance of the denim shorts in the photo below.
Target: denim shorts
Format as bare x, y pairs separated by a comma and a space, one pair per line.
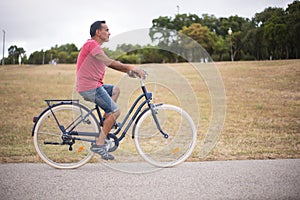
102, 97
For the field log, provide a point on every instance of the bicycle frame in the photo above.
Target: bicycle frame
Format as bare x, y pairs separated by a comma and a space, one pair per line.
136, 116
148, 97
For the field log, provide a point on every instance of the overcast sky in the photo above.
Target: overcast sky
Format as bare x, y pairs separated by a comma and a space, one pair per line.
41, 24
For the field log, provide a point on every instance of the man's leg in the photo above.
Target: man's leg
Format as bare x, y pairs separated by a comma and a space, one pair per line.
116, 93
107, 125
105, 97
115, 96
110, 118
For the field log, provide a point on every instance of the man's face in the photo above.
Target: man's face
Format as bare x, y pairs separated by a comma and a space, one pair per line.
104, 33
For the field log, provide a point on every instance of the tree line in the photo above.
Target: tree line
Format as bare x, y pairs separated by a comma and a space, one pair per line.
66, 53
270, 34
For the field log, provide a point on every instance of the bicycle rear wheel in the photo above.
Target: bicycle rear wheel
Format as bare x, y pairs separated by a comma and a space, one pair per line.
154, 147
48, 135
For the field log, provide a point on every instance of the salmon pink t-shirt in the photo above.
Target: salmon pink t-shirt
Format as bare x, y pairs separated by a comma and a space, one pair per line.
90, 70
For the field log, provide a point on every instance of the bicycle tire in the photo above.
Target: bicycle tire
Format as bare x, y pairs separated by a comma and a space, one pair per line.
154, 147
47, 130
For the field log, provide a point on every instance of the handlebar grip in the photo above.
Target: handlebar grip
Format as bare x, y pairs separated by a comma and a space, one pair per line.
134, 74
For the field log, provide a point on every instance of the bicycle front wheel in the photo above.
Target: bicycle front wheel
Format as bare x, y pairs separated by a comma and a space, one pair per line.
48, 135
154, 147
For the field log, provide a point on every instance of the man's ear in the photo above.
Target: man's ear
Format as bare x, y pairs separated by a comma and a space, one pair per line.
98, 31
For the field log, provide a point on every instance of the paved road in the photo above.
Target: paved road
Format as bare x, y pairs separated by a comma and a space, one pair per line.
270, 179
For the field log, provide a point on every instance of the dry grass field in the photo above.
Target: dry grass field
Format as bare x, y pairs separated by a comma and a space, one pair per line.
262, 107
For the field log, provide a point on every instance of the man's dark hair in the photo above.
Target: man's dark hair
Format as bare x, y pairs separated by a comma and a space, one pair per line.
96, 25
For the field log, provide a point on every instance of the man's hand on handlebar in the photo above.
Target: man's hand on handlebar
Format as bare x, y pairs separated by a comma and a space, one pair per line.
137, 73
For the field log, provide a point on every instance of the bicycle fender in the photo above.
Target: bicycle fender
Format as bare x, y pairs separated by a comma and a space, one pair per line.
36, 119
140, 115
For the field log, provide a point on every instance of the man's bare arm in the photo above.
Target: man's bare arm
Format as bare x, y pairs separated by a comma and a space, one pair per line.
120, 66
116, 65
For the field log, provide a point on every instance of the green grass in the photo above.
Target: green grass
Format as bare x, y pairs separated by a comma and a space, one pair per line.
262, 107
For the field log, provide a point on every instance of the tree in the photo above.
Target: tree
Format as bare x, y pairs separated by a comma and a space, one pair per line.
164, 30
66, 53
14, 53
128, 47
72, 58
274, 31
293, 27
211, 22
184, 20
220, 47
67, 48
36, 57
63, 57
271, 37
201, 34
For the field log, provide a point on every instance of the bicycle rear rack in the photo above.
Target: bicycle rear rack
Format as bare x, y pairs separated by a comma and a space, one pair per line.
49, 101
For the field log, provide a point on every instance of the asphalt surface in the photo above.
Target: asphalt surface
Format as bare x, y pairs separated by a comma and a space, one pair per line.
255, 179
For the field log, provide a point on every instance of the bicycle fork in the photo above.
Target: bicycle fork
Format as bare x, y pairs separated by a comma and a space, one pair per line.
154, 113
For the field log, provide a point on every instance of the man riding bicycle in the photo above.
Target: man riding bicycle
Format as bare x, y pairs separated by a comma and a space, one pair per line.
90, 72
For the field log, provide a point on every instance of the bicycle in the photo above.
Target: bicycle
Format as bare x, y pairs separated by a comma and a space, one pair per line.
164, 135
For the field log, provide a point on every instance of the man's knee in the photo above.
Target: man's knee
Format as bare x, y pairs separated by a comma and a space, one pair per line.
116, 113
116, 91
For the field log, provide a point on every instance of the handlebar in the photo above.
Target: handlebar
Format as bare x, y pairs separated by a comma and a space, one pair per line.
141, 79
134, 74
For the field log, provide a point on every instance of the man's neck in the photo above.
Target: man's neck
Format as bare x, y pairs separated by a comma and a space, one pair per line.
98, 40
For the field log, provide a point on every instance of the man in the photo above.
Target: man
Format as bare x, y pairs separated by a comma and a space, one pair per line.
90, 72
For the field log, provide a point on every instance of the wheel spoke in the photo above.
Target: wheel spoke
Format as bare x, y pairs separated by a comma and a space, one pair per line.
159, 150
47, 131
